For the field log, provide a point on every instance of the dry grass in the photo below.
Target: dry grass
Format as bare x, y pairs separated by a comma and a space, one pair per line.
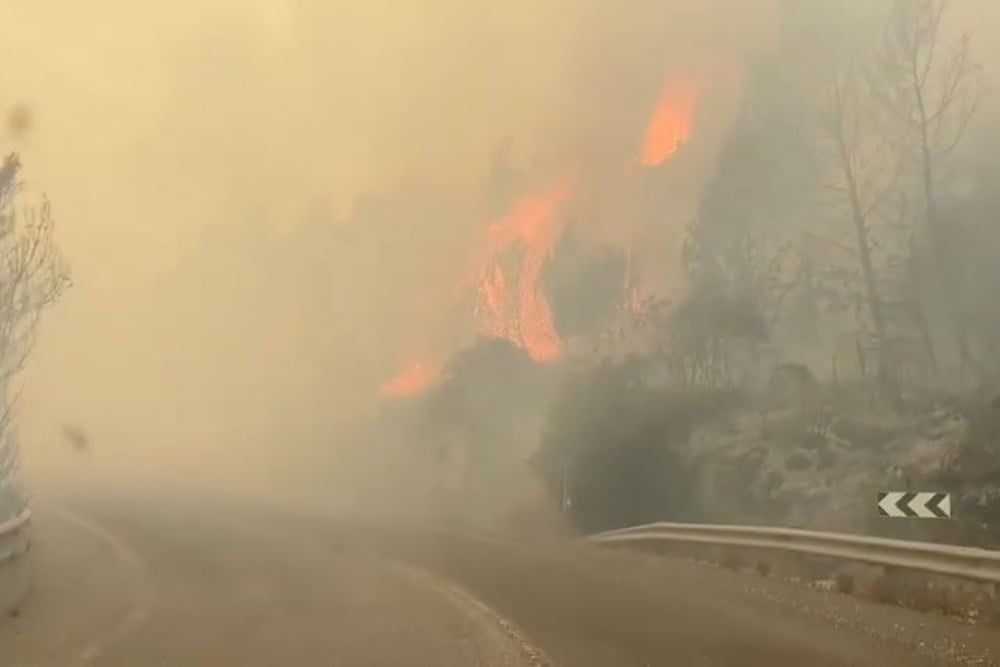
890, 586
934, 595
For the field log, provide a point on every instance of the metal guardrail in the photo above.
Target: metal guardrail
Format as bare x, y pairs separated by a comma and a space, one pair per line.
13, 536
14, 571
966, 562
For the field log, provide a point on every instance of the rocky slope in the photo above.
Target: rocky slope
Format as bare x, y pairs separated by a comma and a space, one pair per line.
819, 464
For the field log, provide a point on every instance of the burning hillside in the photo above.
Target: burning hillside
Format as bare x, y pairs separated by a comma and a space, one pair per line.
509, 301
505, 282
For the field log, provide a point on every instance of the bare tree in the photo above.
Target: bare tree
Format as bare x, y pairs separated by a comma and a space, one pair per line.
928, 96
32, 276
866, 169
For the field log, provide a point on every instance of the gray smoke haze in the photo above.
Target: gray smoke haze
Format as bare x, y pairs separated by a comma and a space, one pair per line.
213, 165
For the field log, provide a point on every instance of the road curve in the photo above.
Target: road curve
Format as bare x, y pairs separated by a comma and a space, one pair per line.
140, 583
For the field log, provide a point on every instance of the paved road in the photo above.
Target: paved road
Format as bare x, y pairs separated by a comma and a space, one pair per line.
131, 583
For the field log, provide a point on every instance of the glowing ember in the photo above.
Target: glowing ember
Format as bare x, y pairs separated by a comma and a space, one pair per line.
413, 380
523, 317
671, 124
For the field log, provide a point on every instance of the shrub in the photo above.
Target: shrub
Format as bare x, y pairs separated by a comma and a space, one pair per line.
609, 445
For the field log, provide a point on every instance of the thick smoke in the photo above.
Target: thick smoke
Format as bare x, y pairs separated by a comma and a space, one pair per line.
270, 206
267, 205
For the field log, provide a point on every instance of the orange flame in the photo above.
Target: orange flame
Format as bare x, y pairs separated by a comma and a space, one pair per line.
671, 124
510, 303
492, 315
523, 317
415, 379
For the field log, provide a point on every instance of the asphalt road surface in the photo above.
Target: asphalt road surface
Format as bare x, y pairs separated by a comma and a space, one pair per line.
123, 582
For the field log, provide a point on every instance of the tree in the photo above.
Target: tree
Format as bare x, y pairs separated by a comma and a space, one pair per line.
865, 168
703, 336
32, 276
741, 247
928, 97
975, 236
739, 285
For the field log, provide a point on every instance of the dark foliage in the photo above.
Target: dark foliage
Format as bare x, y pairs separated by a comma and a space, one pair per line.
708, 313
491, 394
485, 384
586, 286
609, 445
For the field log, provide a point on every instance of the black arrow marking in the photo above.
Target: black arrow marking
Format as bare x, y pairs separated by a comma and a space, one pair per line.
903, 504
934, 505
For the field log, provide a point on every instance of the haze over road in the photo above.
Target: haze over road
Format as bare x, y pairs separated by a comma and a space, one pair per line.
137, 582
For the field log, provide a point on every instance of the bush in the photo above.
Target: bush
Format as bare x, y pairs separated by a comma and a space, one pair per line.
12, 500
887, 588
609, 446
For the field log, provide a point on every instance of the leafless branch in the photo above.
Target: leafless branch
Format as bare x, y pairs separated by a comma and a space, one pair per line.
933, 100
32, 276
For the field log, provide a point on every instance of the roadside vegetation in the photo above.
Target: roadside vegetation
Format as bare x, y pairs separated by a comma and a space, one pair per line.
33, 274
839, 335
838, 331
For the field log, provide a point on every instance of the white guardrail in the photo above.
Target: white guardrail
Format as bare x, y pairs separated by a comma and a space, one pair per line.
965, 562
14, 536
14, 572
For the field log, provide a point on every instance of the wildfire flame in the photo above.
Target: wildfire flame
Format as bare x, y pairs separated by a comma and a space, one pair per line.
415, 379
510, 303
512, 308
670, 125
522, 316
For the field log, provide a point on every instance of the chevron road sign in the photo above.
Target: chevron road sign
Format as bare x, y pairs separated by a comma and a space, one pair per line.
926, 505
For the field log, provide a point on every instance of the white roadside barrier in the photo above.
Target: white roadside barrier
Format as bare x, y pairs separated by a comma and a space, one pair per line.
14, 571
966, 562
